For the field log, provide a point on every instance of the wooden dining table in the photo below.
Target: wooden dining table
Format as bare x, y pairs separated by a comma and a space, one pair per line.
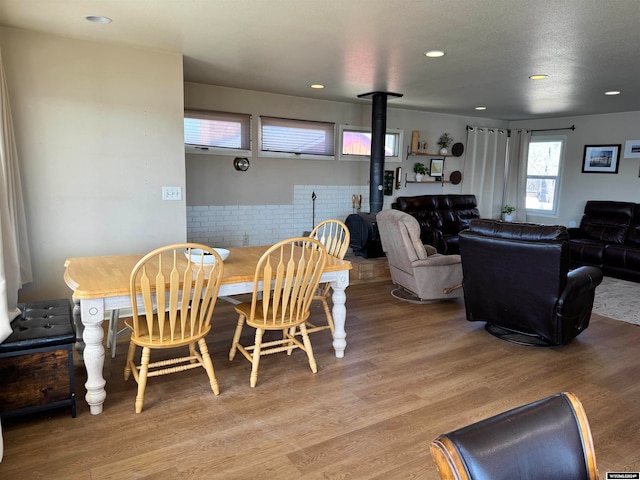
101, 284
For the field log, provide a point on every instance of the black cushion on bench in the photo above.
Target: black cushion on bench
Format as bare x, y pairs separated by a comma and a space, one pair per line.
42, 324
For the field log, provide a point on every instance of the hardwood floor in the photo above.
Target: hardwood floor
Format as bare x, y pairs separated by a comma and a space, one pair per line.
410, 373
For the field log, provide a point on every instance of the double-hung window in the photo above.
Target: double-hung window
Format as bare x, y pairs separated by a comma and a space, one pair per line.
546, 154
355, 144
285, 137
220, 133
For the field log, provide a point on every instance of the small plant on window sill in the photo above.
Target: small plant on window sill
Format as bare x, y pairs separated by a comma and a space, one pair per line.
508, 209
507, 212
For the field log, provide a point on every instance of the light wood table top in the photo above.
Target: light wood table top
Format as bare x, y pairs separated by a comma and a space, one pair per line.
108, 276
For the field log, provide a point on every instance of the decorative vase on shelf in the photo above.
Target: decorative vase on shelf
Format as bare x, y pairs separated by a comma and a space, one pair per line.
507, 217
443, 151
419, 177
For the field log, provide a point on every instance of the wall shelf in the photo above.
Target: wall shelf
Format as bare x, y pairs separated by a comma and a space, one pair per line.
420, 154
424, 154
442, 181
429, 181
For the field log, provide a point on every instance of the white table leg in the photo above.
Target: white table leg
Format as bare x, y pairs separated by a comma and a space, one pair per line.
92, 313
339, 312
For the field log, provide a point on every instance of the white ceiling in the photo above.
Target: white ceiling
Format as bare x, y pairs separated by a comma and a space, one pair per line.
353, 47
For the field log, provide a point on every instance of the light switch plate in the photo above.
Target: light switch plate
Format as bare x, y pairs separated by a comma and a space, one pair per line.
171, 193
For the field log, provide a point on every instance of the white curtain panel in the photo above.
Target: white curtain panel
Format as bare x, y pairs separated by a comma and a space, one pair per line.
515, 190
484, 170
15, 261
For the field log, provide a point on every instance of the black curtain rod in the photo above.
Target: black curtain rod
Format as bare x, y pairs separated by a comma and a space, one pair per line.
572, 127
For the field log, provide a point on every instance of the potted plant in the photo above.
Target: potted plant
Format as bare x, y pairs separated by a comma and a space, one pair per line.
445, 142
420, 170
507, 212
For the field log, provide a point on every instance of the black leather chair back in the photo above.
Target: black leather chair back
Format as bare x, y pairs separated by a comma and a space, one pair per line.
549, 439
514, 273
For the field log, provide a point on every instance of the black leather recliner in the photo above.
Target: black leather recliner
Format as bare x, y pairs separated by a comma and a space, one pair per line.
516, 278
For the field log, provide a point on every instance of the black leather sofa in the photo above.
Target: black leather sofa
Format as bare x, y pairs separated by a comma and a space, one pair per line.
608, 237
441, 217
516, 278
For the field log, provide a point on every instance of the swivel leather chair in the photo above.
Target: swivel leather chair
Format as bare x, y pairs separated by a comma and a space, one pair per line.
516, 278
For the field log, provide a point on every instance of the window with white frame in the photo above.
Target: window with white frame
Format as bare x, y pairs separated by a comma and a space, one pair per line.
355, 144
285, 137
546, 154
220, 133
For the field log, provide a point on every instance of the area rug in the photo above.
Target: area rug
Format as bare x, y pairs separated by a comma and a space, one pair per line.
618, 299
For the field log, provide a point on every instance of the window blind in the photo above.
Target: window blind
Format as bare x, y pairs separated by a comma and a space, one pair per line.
205, 129
297, 136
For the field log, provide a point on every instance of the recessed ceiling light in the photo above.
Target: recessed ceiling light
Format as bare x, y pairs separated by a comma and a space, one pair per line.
98, 19
481, 108
538, 77
612, 92
317, 85
434, 53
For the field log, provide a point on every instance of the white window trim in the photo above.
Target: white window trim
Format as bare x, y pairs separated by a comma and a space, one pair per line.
367, 158
297, 156
231, 152
547, 138
208, 150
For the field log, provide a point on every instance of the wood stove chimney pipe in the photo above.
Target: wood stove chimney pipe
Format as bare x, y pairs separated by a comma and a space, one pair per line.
378, 133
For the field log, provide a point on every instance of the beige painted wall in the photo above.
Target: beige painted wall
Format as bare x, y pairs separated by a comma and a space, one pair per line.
212, 180
577, 187
99, 132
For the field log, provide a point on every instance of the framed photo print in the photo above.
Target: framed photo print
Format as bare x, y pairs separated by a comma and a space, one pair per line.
632, 149
601, 158
436, 167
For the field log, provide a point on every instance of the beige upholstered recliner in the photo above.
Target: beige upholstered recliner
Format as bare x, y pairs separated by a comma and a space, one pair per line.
414, 266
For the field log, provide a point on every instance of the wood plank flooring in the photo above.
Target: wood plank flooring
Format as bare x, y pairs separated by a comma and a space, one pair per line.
410, 373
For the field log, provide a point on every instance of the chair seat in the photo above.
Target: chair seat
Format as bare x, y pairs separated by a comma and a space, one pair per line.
245, 309
143, 338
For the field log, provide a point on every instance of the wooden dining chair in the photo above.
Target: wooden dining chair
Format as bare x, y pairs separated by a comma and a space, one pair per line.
188, 288
335, 236
294, 266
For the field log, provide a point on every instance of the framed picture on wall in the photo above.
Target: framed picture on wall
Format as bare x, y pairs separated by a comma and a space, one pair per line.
601, 158
436, 167
398, 178
632, 149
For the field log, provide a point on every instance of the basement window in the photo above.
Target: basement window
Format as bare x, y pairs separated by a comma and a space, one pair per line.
355, 144
217, 133
290, 138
